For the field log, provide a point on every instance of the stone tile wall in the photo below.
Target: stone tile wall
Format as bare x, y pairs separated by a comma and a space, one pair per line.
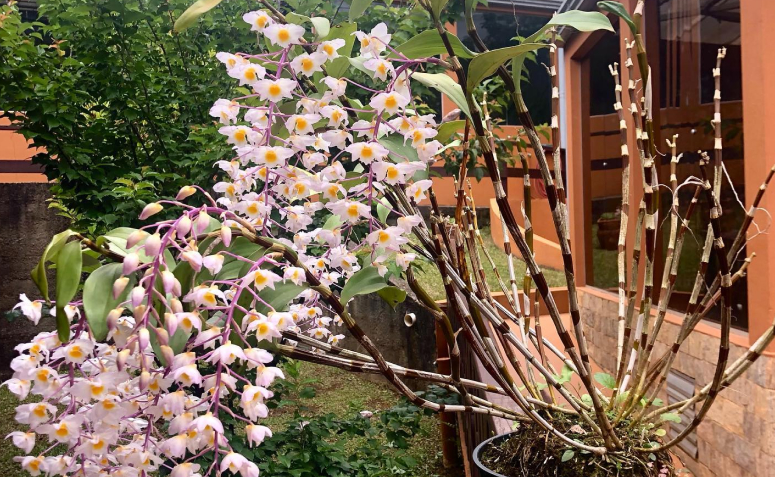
737, 438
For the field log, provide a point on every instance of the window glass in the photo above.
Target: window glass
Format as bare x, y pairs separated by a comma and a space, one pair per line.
691, 32
497, 30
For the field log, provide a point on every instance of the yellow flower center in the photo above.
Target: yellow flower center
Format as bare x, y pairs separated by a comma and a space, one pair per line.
329, 49
209, 297
261, 22
307, 64
383, 236
336, 116
352, 211
260, 279
365, 42
392, 173
390, 102
62, 431
231, 62
382, 69
333, 191
240, 135
250, 74
283, 35
262, 329
275, 90
301, 123
40, 411
76, 352
253, 208
300, 188
271, 156
367, 152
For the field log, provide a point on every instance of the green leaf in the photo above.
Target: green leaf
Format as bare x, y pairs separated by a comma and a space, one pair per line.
568, 455
337, 67
392, 296
69, 264
383, 209
606, 380
363, 282
429, 43
660, 432
321, 24
49, 254
485, 64
98, 298
581, 21
671, 417
446, 130
437, 6
357, 7
446, 85
280, 297
618, 9
332, 222
192, 13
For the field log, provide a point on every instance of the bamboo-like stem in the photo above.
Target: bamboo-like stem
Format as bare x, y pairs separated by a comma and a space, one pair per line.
582, 357
623, 224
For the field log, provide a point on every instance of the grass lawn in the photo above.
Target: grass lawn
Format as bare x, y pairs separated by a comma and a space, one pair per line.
430, 278
337, 392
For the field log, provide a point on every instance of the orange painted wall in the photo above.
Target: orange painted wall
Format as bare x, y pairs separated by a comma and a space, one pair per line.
13, 150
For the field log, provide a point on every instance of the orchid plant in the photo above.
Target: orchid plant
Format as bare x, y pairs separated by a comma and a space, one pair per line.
181, 315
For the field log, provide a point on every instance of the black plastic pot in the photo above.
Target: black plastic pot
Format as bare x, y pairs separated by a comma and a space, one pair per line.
483, 470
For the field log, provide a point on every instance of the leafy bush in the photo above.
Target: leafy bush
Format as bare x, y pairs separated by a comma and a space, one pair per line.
118, 102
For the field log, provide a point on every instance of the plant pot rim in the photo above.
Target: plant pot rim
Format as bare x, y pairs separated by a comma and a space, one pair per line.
480, 448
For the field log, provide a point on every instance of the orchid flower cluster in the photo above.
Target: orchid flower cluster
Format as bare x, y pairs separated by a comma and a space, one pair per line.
134, 383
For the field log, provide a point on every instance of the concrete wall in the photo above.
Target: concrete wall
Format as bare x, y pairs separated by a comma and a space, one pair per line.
28, 225
736, 438
412, 347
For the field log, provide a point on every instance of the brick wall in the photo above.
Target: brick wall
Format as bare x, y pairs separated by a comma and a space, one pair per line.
737, 438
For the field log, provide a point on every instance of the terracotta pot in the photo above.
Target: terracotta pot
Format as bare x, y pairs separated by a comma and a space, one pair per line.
608, 233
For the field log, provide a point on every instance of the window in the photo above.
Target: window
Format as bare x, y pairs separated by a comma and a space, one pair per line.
691, 33
680, 387
497, 30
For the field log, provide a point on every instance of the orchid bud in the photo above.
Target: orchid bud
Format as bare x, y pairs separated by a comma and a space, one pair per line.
202, 222
143, 338
131, 262
150, 209
171, 284
137, 295
146, 360
184, 226
135, 238
121, 358
167, 354
162, 335
185, 192
152, 245
145, 380
119, 285
226, 235
131, 345
113, 317
176, 306
171, 322
139, 312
